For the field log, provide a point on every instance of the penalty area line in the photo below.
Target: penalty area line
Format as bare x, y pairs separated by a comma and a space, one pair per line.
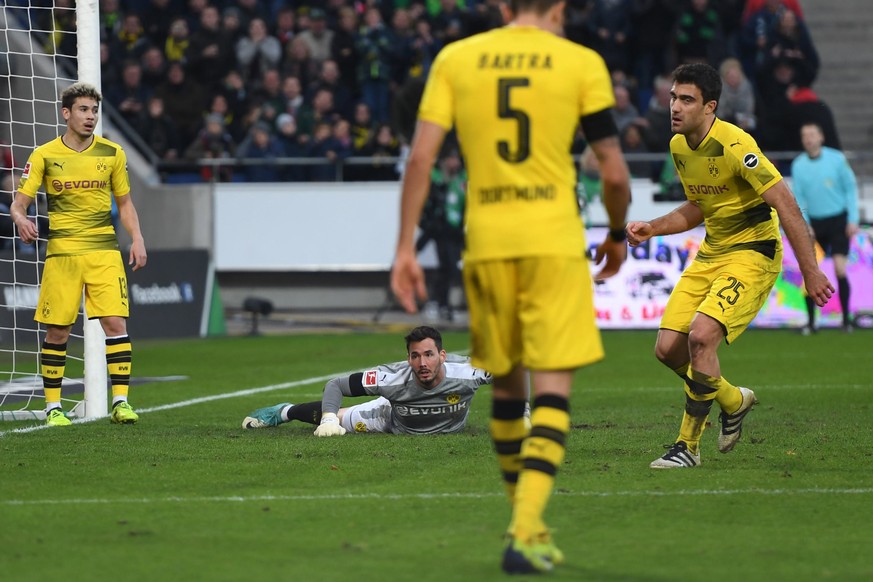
456, 495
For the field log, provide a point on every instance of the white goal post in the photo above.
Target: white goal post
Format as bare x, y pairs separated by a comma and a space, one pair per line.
33, 71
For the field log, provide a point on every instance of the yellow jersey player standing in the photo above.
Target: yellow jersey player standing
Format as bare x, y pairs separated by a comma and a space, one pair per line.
81, 172
515, 96
741, 199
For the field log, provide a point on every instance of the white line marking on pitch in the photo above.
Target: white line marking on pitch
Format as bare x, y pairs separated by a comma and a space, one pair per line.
294, 384
193, 401
400, 496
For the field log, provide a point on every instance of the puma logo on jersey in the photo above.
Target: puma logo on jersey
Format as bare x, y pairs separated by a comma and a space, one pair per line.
61, 166
735, 143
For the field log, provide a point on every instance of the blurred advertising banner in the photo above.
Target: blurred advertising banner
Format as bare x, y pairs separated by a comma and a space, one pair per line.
635, 298
171, 296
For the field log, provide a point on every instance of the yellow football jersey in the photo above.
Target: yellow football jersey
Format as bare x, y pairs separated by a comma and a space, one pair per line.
515, 95
725, 176
79, 188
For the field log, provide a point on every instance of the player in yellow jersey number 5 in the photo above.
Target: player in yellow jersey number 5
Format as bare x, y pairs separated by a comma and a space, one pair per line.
80, 173
515, 96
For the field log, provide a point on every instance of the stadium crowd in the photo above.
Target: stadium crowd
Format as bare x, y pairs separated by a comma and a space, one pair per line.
262, 79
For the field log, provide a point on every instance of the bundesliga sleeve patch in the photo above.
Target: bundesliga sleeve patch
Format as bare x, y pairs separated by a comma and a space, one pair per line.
750, 161
26, 172
371, 378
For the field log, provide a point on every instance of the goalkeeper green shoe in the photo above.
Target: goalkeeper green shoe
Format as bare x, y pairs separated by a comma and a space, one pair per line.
56, 417
122, 413
537, 556
265, 417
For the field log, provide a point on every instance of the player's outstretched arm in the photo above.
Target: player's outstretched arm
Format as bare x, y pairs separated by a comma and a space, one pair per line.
407, 276
685, 217
615, 178
817, 284
331, 400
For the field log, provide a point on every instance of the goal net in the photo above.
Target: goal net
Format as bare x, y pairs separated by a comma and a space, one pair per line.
39, 57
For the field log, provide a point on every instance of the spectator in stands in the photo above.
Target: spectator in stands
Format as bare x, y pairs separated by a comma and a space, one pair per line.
384, 147
233, 120
261, 145
403, 36
60, 22
342, 47
791, 42
753, 6
363, 129
737, 102
319, 111
298, 63
231, 27
329, 78
827, 193
450, 22
158, 130
111, 17
773, 84
289, 139
699, 37
425, 47
318, 37
805, 107
109, 73
286, 26
342, 136
209, 58
184, 100
154, 67
212, 142
178, 41
323, 145
624, 113
657, 131
130, 96
652, 21
131, 41
632, 143
609, 23
237, 97
755, 36
374, 67
194, 13
292, 95
250, 10
157, 19
268, 96
257, 52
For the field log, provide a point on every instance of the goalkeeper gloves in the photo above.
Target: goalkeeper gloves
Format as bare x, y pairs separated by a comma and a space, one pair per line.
329, 426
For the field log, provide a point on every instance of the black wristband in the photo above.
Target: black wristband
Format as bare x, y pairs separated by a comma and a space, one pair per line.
617, 234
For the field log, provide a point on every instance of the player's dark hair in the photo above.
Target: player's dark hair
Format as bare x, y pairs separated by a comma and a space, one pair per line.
423, 332
704, 77
76, 90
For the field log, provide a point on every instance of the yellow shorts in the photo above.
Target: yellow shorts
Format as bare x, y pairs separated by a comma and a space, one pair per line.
101, 274
536, 311
730, 292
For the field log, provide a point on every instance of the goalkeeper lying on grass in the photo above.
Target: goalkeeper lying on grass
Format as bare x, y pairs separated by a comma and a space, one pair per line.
429, 393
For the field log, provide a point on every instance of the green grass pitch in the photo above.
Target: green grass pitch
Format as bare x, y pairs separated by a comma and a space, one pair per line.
186, 494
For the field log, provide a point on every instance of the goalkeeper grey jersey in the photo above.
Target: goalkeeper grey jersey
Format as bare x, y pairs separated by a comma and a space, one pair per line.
416, 410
